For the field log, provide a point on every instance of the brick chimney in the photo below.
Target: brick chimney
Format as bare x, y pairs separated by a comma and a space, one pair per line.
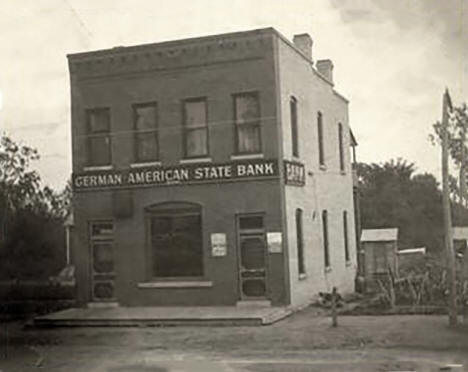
325, 68
304, 42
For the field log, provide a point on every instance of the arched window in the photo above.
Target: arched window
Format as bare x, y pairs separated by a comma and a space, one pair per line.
175, 240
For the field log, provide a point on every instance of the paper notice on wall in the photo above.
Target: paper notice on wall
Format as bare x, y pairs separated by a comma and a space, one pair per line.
218, 245
275, 242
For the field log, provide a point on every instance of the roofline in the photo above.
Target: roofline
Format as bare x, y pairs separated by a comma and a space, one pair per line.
260, 31
133, 48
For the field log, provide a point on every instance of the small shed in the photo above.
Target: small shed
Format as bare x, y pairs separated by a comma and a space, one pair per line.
410, 258
380, 248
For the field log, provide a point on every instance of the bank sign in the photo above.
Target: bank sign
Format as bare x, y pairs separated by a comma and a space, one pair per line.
184, 174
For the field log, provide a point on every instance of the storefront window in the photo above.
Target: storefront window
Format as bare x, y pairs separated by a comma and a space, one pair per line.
176, 246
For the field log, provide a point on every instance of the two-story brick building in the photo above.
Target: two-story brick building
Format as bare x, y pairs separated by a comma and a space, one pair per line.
210, 171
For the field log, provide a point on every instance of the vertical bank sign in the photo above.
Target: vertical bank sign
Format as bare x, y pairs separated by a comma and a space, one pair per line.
179, 175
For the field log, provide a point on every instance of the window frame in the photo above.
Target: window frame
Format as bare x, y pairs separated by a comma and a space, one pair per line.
326, 242
161, 209
294, 117
257, 123
346, 236
321, 144
104, 134
154, 131
300, 242
186, 129
341, 147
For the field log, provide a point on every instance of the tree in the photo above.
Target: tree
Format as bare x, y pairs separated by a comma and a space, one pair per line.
457, 132
32, 236
392, 195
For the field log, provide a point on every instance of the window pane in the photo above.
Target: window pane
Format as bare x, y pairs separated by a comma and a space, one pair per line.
196, 142
340, 145
252, 253
102, 229
294, 129
320, 138
103, 259
248, 138
251, 223
99, 150
325, 238
345, 235
195, 114
300, 242
146, 146
247, 108
146, 138
177, 246
99, 121
247, 113
145, 117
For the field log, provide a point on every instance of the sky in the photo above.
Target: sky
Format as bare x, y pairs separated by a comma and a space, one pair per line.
393, 60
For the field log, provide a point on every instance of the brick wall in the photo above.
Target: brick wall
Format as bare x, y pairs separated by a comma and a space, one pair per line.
328, 188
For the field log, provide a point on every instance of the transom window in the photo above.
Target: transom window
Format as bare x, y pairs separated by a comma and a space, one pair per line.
176, 246
98, 137
146, 132
195, 128
247, 123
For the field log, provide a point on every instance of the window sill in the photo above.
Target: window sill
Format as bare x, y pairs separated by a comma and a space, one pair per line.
328, 269
343, 173
246, 156
195, 160
302, 276
323, 167
146, 164
348, 263
176, 284
98, 167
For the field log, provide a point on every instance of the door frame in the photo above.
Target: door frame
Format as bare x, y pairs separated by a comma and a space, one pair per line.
251, 232
91, 241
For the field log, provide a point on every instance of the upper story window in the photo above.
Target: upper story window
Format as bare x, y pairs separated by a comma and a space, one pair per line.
340, 146
195, 128
146, 132
294, 127
247, 123
98, 137
320, 139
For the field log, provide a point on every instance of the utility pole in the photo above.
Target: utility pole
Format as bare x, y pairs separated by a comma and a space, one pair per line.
452, 303
462, 166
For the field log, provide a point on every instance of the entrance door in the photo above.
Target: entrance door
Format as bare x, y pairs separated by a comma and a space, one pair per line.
252, 258
102, 261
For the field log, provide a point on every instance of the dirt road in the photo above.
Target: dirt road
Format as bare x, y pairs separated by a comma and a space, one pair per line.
303, 342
